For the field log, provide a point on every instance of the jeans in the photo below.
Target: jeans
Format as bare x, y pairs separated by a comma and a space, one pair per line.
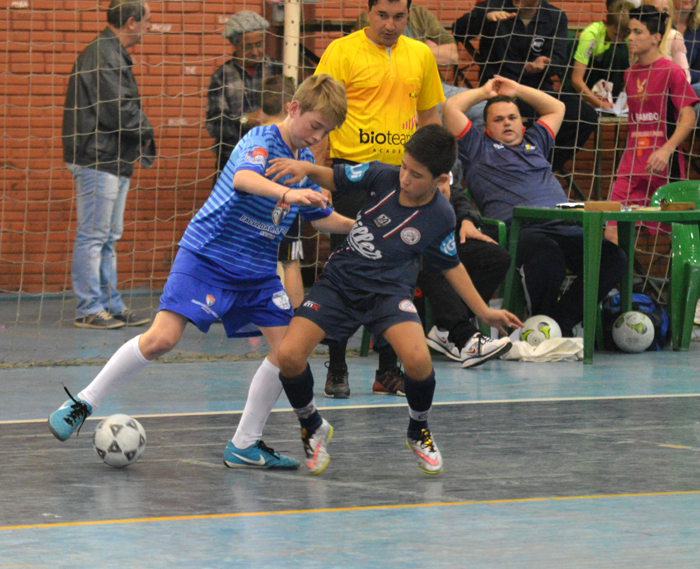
100, 202
545, 257
475, 113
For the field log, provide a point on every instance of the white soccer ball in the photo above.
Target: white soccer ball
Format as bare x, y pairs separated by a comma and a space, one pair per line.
633, 332
119, 440
539, 328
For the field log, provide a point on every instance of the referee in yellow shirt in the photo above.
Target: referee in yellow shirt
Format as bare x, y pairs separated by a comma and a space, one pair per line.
393, 86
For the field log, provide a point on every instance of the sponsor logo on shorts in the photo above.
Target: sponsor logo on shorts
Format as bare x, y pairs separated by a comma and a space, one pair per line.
257, 156
410, 236
381, 221
407, 306
448, 245
281, 300
205, 308
311, 305
210, 300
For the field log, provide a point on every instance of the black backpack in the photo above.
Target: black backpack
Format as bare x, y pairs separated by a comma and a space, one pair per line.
641, 303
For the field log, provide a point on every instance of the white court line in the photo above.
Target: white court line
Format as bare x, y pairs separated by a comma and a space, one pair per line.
385, 406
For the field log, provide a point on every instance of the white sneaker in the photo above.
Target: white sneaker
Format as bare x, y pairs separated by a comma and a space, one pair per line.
480, 349
439, 340
426, 452
316, 447
696, 320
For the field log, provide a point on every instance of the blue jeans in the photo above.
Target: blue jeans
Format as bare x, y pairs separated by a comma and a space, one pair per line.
475, 113
100, 200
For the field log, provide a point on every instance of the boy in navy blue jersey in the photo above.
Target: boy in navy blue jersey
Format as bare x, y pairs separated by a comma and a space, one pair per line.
371, 279
226, 268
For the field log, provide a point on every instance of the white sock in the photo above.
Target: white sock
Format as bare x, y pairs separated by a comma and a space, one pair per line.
265, 390
122, 366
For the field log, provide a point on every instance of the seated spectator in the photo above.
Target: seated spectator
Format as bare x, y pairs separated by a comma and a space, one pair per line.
601, 58
233, 99
526, 41
505, 167
686, 20
454, 332
654, 85
423, 26
672, 45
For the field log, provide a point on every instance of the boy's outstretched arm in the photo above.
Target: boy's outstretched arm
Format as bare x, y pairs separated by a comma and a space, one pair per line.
462, 283
253, 183
334, 223
298, 169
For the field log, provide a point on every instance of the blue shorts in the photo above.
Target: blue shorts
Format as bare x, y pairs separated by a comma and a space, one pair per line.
339, 316
203, 304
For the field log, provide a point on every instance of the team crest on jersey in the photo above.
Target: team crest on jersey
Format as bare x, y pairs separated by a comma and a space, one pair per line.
407, 306
537, 44
311, 305
410, 236
257, 156
281, 300
641, 85
381, 221
280, 212
448, 245
210, 300
413, 94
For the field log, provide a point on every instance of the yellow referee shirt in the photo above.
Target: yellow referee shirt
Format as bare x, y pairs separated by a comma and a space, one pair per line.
385, 87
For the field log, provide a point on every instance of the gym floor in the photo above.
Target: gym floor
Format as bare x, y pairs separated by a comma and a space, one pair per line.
546, 465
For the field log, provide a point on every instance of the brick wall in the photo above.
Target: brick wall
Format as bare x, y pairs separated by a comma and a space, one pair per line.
41, 41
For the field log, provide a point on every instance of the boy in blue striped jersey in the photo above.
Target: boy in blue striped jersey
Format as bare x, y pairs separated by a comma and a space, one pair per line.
226, 268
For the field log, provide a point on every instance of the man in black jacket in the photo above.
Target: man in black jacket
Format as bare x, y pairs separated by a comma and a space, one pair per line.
526, 41
104, 132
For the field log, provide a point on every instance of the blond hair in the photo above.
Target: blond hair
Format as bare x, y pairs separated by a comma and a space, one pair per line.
276, 91
325, 95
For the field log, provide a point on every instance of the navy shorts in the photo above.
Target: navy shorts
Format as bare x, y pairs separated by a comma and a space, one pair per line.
203, 304
340, 315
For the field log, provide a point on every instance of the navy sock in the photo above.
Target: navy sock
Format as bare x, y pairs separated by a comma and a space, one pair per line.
419, 395
300, 392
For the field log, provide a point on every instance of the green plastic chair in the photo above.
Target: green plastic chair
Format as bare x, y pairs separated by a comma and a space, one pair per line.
684, 287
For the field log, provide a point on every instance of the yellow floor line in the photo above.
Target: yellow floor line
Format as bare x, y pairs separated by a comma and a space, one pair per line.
346, 509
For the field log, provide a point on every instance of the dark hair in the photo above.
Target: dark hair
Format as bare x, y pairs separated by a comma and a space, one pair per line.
372, 3
276, 91
434, 147
120, 11
654, 20
498, 99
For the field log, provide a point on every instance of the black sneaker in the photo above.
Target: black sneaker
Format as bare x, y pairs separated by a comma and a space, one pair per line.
337, 386
389, 382
100, 321
129, 318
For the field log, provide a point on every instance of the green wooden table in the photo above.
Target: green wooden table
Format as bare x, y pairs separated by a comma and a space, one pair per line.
593, 223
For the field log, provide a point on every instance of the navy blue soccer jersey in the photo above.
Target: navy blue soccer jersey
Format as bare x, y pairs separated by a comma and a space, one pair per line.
239, 233
500, 177
382, 254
